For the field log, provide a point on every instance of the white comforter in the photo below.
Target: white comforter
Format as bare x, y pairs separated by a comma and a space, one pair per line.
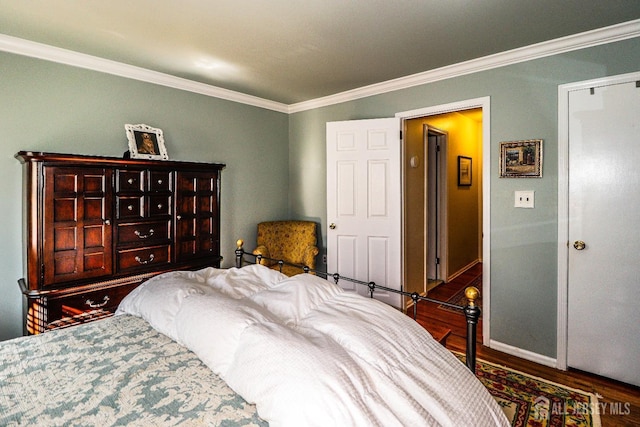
309, 354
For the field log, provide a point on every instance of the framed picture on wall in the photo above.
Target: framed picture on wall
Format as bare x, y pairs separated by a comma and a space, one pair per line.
146, 142
521, 159
464, 171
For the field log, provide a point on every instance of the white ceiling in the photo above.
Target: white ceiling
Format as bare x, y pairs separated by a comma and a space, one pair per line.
292, 51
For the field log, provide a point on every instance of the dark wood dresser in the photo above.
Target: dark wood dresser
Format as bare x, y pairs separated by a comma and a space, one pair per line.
97, 227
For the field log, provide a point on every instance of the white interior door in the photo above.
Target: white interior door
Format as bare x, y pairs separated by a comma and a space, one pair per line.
364, 204
603, 334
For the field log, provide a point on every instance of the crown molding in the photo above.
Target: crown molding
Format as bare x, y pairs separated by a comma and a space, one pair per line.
614, 33
68, 57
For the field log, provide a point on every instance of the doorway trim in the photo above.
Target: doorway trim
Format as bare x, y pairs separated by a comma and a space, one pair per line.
563, 204
440, 208
485, 104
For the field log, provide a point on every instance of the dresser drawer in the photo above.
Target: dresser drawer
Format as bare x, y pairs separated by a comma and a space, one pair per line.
143, 233
106, 299
129, 180
130, 259
130, 206
159, 181
159, 205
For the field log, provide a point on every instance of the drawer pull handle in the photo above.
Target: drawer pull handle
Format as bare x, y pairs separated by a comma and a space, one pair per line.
144, 236
130, 181
147, 261
159, 206
130, 207
159, 182
92, 304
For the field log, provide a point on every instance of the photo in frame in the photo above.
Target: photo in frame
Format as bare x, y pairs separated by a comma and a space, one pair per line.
464, 171
521, 159
146, 142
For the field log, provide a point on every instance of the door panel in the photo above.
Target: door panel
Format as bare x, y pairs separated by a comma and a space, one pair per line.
345, 250
346, 197
604, 154
197, 195
364, 203
77, 236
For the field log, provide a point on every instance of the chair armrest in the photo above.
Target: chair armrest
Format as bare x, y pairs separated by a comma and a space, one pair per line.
262, 250
309, 256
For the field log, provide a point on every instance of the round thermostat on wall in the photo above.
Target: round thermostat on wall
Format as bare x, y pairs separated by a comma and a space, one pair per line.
414, 161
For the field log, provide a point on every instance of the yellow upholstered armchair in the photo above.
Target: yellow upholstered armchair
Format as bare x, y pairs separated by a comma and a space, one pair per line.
290, 241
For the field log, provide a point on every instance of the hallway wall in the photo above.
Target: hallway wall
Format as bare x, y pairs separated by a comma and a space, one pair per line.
415, 232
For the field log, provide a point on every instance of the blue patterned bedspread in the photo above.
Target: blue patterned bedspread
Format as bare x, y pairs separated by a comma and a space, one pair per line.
114, 372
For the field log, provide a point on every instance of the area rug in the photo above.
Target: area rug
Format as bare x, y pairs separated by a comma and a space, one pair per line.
460, 299
532, 401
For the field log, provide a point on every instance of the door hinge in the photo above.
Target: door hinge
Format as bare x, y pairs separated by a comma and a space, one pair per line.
401, 135
437, 261
438, 148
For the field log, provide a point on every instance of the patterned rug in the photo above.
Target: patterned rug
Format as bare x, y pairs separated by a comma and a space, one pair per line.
532, 401
460, 299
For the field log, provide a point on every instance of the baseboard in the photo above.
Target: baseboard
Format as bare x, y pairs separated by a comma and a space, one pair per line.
462, 270
523, 354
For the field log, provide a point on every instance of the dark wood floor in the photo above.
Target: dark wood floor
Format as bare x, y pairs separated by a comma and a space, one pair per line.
619, 403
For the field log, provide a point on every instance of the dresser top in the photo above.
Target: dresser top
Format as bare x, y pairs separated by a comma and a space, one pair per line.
38, 156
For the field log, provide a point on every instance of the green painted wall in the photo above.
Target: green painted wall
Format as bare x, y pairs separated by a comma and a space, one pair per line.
276, 163
524, 105
56, 108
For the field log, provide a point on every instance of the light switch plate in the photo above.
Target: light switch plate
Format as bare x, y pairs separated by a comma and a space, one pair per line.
524, 199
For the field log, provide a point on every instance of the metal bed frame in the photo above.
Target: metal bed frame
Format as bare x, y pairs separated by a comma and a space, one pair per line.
471, 310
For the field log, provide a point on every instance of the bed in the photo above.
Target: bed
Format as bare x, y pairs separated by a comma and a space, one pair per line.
237, 347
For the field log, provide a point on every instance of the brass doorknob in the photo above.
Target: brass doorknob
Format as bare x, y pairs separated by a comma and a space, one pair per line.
332, 226
579, 245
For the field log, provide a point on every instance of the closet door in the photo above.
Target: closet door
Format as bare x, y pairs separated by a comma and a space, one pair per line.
604, 231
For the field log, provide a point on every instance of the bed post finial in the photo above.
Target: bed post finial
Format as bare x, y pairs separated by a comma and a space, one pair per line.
472, 294
239, 252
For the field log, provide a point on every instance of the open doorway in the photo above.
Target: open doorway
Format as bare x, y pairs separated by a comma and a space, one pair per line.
443, 197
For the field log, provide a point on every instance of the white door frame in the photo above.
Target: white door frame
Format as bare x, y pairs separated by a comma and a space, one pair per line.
485, 104
563, 204
441, 190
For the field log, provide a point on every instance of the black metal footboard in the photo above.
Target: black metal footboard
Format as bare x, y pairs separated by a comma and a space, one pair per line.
471, 310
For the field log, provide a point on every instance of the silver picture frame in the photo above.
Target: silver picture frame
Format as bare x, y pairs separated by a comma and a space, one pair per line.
146, 142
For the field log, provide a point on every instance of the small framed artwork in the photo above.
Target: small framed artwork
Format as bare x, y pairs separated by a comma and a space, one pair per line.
521, 159
464, 171
146, 142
